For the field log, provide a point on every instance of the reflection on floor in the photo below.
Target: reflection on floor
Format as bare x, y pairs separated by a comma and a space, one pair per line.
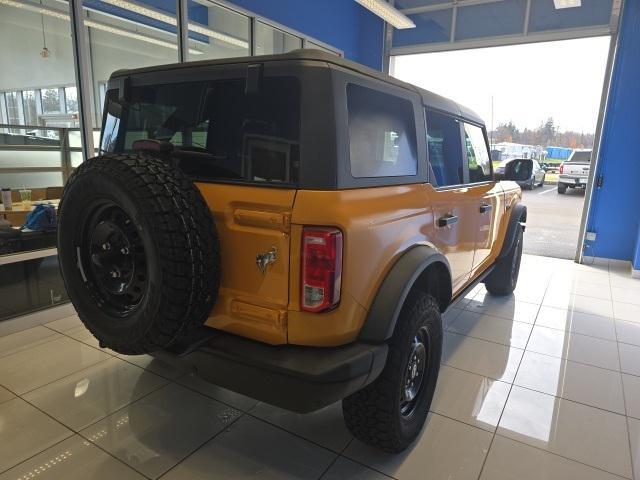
544, 384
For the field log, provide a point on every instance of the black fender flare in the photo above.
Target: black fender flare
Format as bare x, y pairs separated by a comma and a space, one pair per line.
517, 219
387, 304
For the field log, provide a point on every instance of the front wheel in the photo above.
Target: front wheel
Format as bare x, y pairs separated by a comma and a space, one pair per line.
390, 412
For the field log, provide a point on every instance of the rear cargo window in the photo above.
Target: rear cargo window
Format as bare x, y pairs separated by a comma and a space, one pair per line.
580, 156
382, 134
218, 130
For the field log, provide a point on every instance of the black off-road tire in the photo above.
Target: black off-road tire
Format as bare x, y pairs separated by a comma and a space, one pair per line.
174, 249
373, 414
562, 188
504, 278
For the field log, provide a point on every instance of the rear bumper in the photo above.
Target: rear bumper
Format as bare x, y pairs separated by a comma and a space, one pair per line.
300, 379
573, 180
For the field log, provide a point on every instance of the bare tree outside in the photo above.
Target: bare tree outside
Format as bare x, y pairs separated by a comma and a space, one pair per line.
546, 134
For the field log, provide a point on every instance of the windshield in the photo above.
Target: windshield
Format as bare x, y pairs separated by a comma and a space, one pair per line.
580, 156
218, 130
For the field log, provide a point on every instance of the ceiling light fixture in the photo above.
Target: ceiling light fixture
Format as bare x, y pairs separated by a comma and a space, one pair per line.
44, 53
171, 20
560, 4
94, 24
125, 33
388, 13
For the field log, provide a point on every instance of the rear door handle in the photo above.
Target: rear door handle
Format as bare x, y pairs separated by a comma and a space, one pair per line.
447, 220
486, 207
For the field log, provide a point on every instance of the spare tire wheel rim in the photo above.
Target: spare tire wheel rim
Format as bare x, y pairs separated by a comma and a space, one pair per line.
112, 259
415, 373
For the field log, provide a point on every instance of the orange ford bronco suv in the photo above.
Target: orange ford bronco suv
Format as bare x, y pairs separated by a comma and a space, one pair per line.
293, 226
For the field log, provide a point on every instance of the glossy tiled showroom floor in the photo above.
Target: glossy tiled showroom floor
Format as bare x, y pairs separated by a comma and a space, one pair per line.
544, 384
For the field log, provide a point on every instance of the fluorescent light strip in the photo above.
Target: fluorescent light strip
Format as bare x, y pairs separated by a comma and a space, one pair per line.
125, 33
388, 13
171, 20
36, 8
560, 4
93, 24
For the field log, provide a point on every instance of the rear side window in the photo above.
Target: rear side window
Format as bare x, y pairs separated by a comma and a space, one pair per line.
445, 150
218, 130
477, 154
382, 134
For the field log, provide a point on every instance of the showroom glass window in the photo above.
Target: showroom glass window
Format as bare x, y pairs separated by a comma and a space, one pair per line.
445, 150
30, 107
14, 108
382, 134
270, 40
50, 100
120, 38
71, 99
217, 32
317, 46
478, 158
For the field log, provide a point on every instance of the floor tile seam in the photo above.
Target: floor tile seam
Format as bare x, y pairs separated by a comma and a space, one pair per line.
72, 433
279, 427
214, 436
498, 434
45, 340
61, 378
515, 375
559, 397
624, 395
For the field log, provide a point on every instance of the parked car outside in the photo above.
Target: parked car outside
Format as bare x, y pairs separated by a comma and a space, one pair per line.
535, 178
574, 173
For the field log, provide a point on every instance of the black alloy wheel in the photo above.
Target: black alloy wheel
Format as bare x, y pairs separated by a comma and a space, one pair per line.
390, 412
416, 371
112, 258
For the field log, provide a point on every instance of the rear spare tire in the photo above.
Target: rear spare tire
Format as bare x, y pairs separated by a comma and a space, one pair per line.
138, 250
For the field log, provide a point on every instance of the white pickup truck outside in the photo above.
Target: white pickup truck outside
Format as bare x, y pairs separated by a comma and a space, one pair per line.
575, 171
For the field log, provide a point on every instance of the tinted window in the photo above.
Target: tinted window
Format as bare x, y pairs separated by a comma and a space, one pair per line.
218, 130
477, 154
382, 134
580, 157
445, 150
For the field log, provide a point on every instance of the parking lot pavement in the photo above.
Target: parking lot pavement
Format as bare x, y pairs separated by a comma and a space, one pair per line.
553, 221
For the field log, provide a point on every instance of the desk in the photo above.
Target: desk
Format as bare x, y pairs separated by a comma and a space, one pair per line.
17, 216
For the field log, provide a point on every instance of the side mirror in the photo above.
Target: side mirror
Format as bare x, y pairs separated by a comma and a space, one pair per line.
518, 170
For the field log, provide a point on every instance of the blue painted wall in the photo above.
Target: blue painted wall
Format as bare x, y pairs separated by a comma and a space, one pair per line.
342, 23
615, 212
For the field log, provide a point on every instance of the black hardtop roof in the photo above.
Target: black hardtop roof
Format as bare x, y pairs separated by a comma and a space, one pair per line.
429, 99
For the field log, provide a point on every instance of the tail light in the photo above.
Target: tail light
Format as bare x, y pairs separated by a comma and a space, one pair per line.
561, 168
321, 268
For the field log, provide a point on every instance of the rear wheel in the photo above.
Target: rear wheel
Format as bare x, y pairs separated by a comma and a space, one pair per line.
390, 412
562, 188
504, 278
138, 251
